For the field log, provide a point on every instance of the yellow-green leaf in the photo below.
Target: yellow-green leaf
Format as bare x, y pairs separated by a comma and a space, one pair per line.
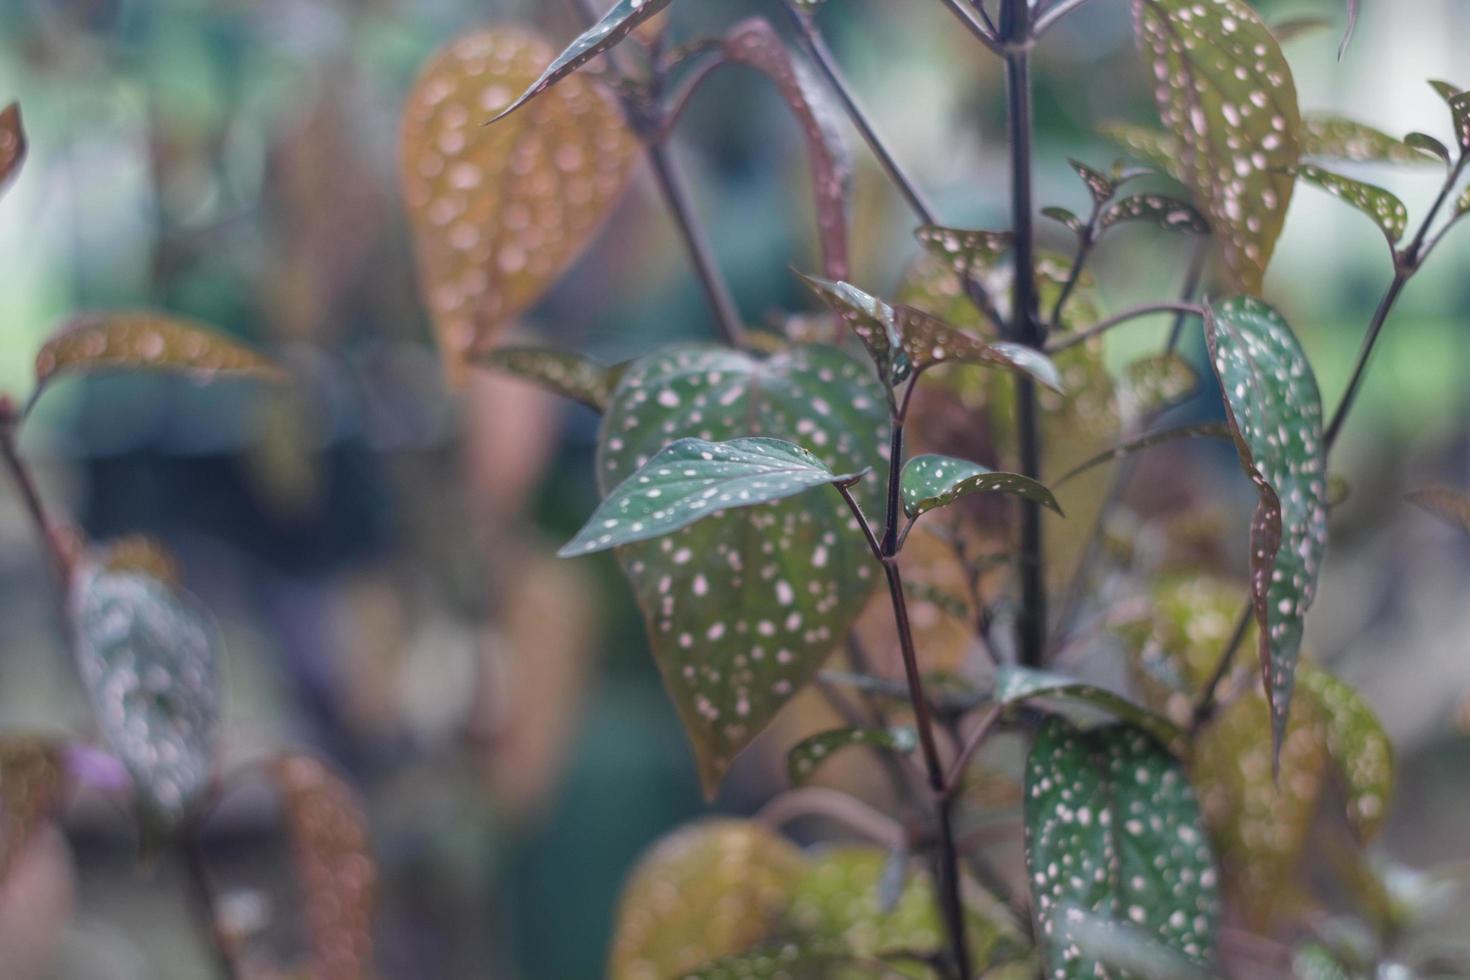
1358, 748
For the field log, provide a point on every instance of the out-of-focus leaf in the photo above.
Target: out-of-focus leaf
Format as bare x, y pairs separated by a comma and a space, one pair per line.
1448, 504
1099, 185
1293, 28
1352, 26
563, 372
616, 24
499, 213
1429, 145
1205, 430
1329, 137
1459, 103
1166, 212
807, 755
1386, 210
964, 250
930, 481
756, 44
1338, 490
147, 655
140, 553
785, 961
711, 889
1014, 684
872, 320
952, 604
30, 792
1126, 949
931, 342
1275, 413
1066, 219
12, 143
692, 479
335, 871
147, 342
1313, 961
1226, 93
1151, 146
1358, 748
743, 608
1156, 381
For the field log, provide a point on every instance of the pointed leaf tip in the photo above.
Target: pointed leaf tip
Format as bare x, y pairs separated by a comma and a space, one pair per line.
931, 481
811, 752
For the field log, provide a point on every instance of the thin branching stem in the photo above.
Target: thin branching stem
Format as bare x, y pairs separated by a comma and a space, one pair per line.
1127, 316
1053, 15
984, 29
35, 508
956, 775
818, 801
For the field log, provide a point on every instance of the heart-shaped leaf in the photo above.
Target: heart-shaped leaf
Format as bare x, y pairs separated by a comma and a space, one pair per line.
808, 754
1204, 430
12, 143
499, 213
692, 479
743, 608
563, 372
620, 21
148, 657
1275, 413
1448, 504
334, 866
1014, 684
1386, 210
1166, 212
1226, 93
1329, 137
30, 792
147, 342
711, 889
931, 481
1358, 748
1099, 185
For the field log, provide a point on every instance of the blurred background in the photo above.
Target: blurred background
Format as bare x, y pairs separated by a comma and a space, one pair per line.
377, 548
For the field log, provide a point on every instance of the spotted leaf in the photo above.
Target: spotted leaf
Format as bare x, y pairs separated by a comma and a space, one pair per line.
1099, 185
964, 250
807, 755
1014, 684
30, 793
1459, 103
334, 866
1166, 212
1156, 382
1329, 137
1275, 413
692, 479
1066, 219
1126, 950
709, 890
1386, 210
499, 213
1226, 93
1313, 961
783, 961
563, 372
620, 21
1357, 747
12, 143
147, 342
930, 342
1151, 146
1448, 504
929, 482
1206, 430
872, 321
742, 608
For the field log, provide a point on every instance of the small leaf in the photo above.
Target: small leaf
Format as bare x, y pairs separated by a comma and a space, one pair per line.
1066, 218
562, 372
1148, 145
872, 320
1275, 412
1205, 430
1448, 504
692, 479
147, 342
1157, 381
808, 754
148, 657
1014, 684
1386, 210
30, 793
334, 866
1313, 961
1462, 206
616, 24
1166, 212
964, 250
1099, 185
1339, 491
1358, 748
931, 481
12, 144
930, 342
784, 961
1429, 145
1329, 137
1225, 91
1293, 28
1459, 103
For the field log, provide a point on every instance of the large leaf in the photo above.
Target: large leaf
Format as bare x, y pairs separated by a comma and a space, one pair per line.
1358, 748
620, 21
1275, 413
742, 608
1226, 93
1329, 137
1386, 210
335, 871
563, 372
12, 143
148, 657
30, 792
692, 479
929, 482
1014, 684
499, 213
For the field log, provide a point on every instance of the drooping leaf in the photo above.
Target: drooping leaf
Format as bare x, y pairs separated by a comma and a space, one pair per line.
1448, 504
148, 657
1225, 91
335, 870
1358, 748
12, 144
563, 372
1275, 413
711, 889
1329, 137
1014, 684
1067, 219
1386, 210
930, 342
1166, 212
807, 755
743, 608
499, 213
620, 21
1099, 185
962, 249
931, 481
147, 342
1204, 430
692, 479
30, 792
1157, 381
1429, 145
1150, 146
784, 961
872, 321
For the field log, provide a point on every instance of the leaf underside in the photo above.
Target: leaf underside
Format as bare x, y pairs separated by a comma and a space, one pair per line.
1358, 748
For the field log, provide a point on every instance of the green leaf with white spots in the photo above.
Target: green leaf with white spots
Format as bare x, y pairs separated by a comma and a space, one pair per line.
1205, 430
808, 755
929, 482
692, 479
1358, 748
1448, 504
1274, 410
1459, 102
1329, 137
1014, 684
563, 372
1151, 146
1384, 207
964, 250
743, 607
148, 657
872, 320
1155, 382
1166, 212
616, 24
1126, 950
785, 961
1067, 219
1099, 185
930, 342
1429, 145
1225, 92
